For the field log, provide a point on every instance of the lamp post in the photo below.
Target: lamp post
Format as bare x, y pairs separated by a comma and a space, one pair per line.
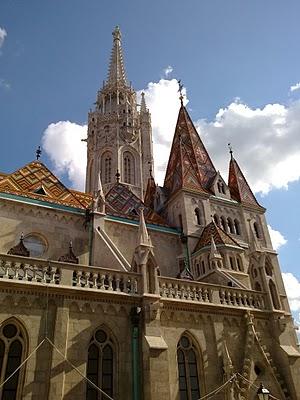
263, 393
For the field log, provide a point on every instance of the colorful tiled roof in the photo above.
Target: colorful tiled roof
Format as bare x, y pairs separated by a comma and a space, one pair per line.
36, 181
122, 202
220, 237
189, 166
238, 185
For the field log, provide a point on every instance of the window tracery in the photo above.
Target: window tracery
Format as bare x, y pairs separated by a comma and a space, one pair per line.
106, 167
101, 365
12, 353
189, 388
129, 168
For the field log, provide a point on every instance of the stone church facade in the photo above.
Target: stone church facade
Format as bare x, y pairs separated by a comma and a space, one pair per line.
135, 291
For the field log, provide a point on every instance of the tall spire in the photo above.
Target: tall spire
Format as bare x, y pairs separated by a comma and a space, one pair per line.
116, 71
238, 185
189, 166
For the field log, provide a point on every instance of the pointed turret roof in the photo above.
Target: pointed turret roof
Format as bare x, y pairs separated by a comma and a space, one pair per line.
116, 71
212, 236
189, 166
143, 237
238, 185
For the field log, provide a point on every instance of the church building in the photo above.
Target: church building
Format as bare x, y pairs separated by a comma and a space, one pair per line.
134, 291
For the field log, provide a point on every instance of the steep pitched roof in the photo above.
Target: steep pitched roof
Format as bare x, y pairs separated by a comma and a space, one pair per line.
121, 201
189, 166
238, 185
36, 181
220, 237
150, 192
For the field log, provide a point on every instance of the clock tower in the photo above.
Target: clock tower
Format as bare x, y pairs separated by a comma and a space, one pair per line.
119, 143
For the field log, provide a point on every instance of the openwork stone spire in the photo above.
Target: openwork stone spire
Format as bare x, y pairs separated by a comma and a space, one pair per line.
116, 71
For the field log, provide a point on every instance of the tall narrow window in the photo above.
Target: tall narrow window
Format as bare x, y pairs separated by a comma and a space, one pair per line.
223, 224
12, 351
230, 225
256, 230
237, 227
198, 216
100, 366
129, 168
106, 166
187, 370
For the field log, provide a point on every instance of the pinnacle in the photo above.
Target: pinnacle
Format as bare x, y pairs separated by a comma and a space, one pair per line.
116, 71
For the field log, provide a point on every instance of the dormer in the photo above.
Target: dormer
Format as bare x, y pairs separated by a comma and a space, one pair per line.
219, 187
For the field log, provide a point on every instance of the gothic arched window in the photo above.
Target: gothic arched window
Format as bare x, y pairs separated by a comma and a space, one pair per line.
106, 167
12, 352
101, 366
198, 216
223, 224
256, 230
237, 227
230, 225
129, 168
189, 388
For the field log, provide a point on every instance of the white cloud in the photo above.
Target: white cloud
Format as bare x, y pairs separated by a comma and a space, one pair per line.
295, 87
168, 70
3, 35
265, 142
62, 142
277, 238
292, 287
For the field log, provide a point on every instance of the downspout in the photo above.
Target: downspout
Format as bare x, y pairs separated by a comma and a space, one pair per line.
90, 224
135, 315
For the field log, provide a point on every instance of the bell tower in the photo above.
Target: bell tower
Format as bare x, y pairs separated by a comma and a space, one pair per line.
119, 131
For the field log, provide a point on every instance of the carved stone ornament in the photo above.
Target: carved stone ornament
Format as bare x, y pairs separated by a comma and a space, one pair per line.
20, 249
69, 257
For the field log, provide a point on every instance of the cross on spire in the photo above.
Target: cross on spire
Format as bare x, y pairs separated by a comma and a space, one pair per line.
38, 152
180, 87
230, 150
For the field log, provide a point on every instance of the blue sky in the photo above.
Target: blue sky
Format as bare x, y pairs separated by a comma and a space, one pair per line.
240, 57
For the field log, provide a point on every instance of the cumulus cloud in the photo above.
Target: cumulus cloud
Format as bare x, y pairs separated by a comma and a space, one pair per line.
62, 142
292, 286
277, 238
168, 70
258, 136
3, 35
295, 87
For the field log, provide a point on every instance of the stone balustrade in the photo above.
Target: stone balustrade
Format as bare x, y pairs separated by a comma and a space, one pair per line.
208, 293
38, 271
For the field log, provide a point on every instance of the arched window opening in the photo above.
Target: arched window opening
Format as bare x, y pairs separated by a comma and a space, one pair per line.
230, 225
106, 166
256, 230
239, 264
12, 352
203, 267
231, 263
129, 168
269, 269
216, 220
189, 388
198, 269
237, 227
274, 296
257, 287
100, 366
223, 224
198, 216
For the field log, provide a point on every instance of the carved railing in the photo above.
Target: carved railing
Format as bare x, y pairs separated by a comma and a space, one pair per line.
208, 293
59, 273
38, 271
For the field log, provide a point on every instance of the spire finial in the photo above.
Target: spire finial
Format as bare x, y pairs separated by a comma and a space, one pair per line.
143, 237
38, 152
118, 176
180, 87
117, 33
143, 103
230, 150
